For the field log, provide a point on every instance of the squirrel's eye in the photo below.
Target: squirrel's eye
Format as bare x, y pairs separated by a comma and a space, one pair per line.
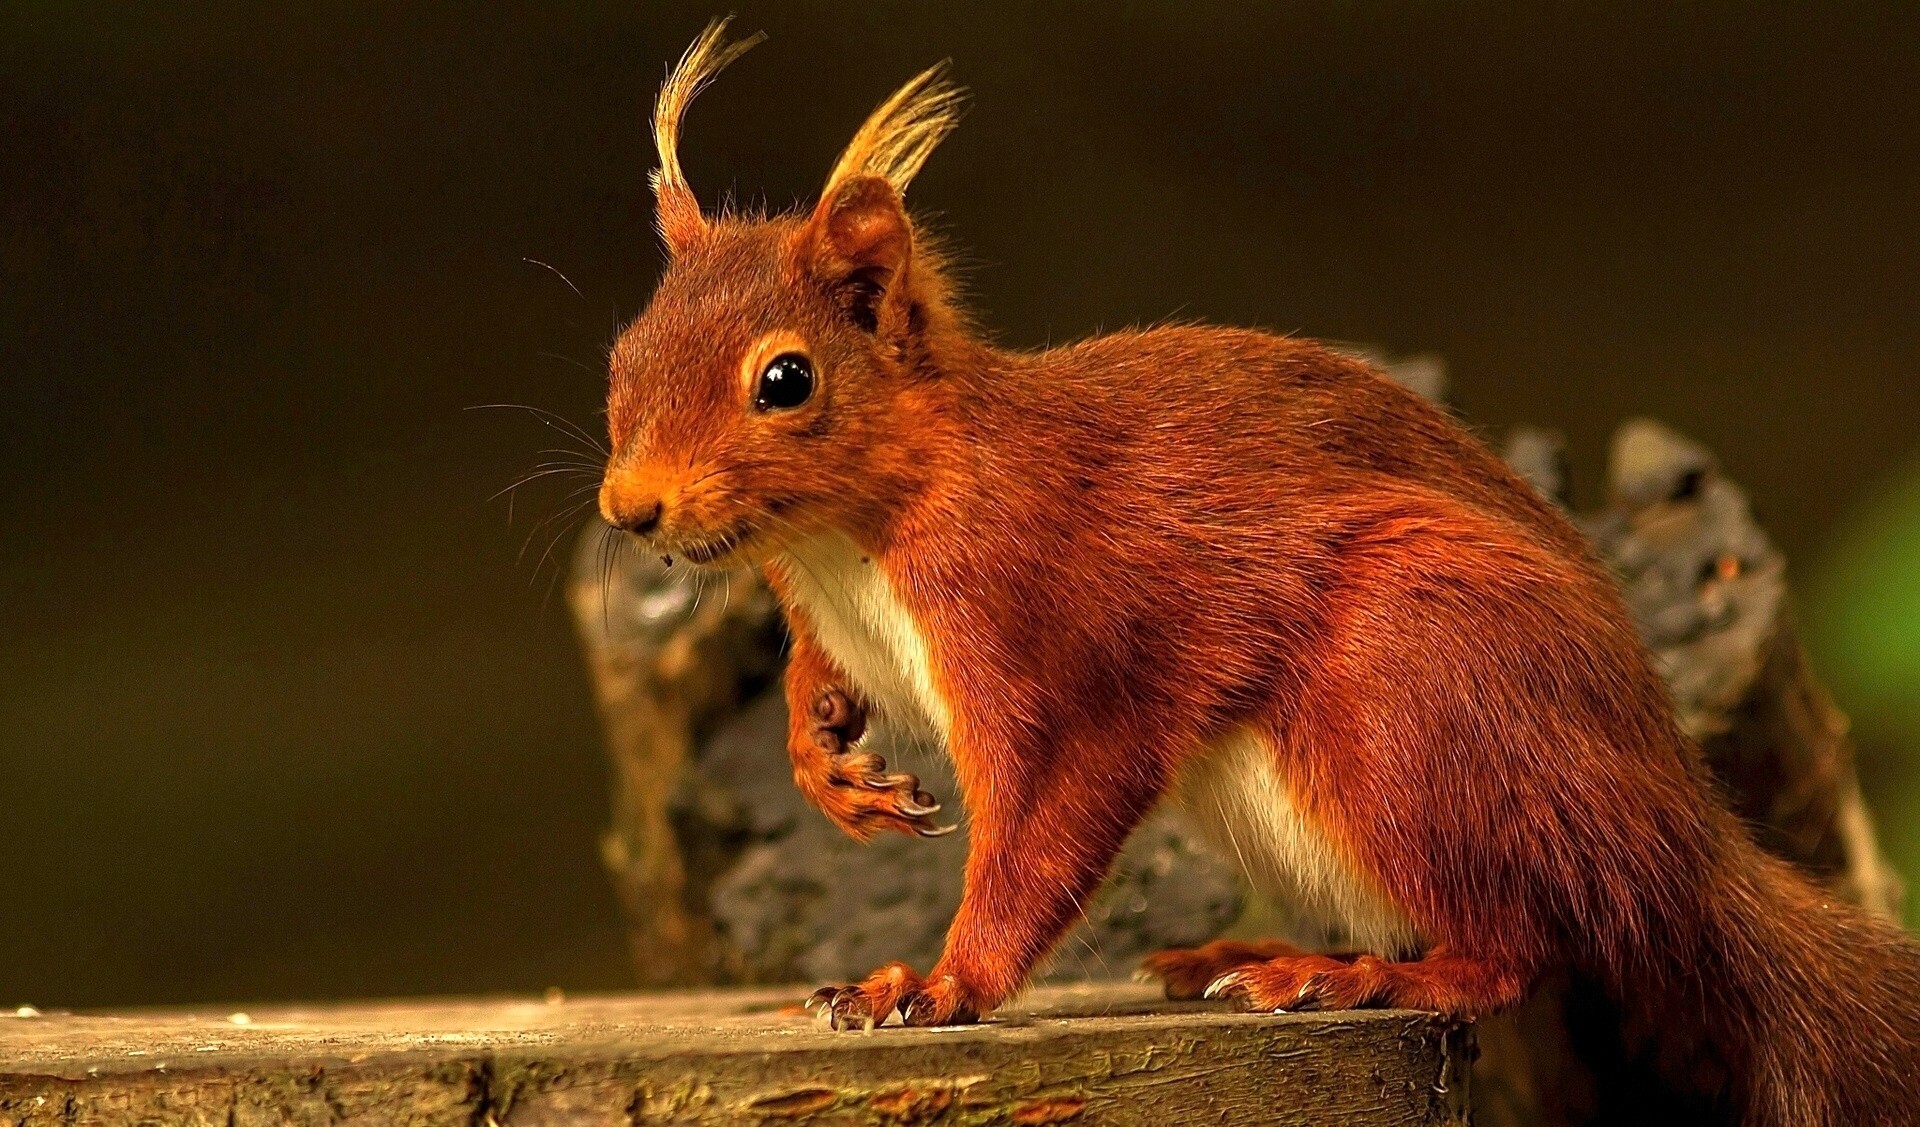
786, 382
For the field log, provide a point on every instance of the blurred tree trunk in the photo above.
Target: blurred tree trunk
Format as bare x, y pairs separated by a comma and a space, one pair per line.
668, 665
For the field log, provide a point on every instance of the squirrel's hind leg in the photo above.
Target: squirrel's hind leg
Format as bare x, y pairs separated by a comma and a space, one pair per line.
1188, 971
1441, 981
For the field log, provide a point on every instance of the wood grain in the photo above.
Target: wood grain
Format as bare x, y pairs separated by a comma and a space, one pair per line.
1086, 1055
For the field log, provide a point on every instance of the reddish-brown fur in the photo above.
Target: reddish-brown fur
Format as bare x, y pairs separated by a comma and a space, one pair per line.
1118, 550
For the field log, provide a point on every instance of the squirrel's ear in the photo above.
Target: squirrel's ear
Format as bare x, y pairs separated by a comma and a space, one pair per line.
859, 239
860, 243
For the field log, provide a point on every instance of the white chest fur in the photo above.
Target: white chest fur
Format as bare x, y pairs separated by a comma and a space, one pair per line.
1236, 794
860, 622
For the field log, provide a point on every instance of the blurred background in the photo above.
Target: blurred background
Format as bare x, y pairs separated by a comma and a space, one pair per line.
289, 707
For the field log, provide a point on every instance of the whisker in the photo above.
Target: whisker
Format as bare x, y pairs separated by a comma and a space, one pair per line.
548, 554
559, 275
589, 369
799, 559
582, 457
732, 467
1090, 939
611, 545
568, 466
553, 580
551, 418
539, 473
594, 468
562, 469
564, 514
692, 575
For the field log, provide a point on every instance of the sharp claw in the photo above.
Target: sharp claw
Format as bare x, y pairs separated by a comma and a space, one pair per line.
841, 1014
1225, 984
935, 831
915, 810
821, 996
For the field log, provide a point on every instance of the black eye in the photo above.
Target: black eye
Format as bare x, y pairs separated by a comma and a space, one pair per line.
787, 382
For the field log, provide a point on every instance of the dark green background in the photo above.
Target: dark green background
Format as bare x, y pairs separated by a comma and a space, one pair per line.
281, 713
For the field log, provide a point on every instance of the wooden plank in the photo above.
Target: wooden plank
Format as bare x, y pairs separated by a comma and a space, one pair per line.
1088, 1054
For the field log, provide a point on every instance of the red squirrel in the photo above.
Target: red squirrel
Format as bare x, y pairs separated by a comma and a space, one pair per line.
1234, 569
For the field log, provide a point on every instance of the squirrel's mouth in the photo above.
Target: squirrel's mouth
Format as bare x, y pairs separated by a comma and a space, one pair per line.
712, 550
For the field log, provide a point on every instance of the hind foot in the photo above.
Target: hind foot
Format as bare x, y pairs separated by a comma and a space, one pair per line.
1442, 982
1188, 971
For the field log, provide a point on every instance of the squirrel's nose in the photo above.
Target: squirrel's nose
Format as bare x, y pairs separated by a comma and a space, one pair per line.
629, 505
639, 519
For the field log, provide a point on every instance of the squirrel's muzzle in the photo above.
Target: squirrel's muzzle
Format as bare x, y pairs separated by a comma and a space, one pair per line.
629, 509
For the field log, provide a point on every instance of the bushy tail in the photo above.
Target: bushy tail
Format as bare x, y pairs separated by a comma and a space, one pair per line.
1819, 1009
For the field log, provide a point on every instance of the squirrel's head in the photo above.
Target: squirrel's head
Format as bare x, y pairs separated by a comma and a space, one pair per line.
768, 374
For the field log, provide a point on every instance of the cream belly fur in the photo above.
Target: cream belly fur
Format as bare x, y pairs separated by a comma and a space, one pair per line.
860, 622
1235, 793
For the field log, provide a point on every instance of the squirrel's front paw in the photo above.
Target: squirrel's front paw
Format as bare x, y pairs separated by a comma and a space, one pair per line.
940, 1001
859, 793
868, 1004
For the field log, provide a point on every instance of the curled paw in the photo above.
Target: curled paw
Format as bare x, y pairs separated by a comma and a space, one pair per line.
861, 794
867, 799
838, 721
1304, 982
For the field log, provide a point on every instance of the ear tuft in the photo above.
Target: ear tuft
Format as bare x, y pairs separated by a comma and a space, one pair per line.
859, 239
901, 133
678, 209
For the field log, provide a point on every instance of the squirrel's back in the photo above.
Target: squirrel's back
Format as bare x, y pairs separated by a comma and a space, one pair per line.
1197, 412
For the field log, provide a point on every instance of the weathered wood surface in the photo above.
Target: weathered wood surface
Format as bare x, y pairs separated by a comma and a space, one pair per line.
1087, 1055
